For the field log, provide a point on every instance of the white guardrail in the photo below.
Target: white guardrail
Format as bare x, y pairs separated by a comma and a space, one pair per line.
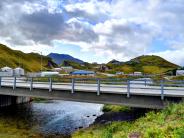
97, 83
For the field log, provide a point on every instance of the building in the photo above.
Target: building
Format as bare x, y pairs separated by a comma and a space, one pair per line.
19, 71
6, 71
83, 73
67, 69
103, 68
180, 73
57, 69
137, 73
120, 73
49, 73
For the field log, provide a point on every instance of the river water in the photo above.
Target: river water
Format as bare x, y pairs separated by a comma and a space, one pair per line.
54, 117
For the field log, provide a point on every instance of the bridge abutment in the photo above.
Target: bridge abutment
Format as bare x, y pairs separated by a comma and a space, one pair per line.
6, 100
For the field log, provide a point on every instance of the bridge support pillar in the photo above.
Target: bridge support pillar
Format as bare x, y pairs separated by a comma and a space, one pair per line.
73, 85
128, 89
98, 88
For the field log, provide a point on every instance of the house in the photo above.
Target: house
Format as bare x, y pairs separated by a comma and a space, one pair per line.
57, 69
179, 72
137, 73
119, 73
67, 69
103, 68
83, 73
49, 73
19, 71
6, 71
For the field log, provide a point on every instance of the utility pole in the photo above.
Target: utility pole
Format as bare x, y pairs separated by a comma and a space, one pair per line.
41, 60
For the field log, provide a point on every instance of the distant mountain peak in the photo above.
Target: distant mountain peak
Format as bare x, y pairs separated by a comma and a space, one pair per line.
59, 58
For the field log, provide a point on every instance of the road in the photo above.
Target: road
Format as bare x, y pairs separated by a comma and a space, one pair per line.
136, 88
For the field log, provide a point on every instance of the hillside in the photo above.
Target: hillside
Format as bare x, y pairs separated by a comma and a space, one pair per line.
146, 64
76, 65
30, 62
59, 58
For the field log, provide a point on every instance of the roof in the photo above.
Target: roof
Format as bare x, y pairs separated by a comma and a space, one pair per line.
6, 68
83, 72
19, 68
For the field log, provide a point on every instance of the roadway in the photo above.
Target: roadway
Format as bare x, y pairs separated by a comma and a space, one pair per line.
136, 87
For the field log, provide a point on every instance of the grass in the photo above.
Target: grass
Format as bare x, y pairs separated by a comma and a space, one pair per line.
168, 123
30, 62
115, 108
148, 64
14, 128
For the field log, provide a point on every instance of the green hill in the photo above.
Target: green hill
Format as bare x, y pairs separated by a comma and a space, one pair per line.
30, 62
146, 64
76, 65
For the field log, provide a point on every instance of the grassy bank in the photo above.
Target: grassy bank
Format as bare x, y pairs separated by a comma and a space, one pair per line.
14, 128
115, 108
168, 123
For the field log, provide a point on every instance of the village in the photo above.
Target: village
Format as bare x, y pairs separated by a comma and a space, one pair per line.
66, 71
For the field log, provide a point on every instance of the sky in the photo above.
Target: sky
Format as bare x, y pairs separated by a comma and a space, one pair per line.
95, 30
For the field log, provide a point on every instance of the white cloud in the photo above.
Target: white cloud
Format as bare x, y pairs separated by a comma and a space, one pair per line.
120, 29
175, 56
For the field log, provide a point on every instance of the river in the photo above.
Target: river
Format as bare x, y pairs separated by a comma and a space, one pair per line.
54, 116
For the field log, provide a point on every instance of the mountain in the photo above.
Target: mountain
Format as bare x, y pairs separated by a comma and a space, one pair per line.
59, 58
148, 64
115, 62
30, 62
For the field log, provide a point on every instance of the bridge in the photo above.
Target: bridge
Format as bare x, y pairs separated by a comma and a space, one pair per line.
142, 93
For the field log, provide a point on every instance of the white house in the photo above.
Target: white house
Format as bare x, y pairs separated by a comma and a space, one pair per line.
120, 73
67, 69
49, 73
137, 73
6, 71
19, 71
57, 69
180, 73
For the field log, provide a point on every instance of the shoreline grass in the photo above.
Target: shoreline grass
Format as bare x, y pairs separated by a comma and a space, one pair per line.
167, 123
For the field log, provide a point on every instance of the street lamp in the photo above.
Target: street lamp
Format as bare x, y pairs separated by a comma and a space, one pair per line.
41, 59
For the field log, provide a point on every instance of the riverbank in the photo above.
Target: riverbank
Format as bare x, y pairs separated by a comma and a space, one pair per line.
168, 122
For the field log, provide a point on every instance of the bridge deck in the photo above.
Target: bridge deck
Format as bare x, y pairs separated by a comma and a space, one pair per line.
134, 93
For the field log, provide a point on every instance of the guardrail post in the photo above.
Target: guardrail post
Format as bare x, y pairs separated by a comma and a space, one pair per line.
0, 82
73, 85
50, 84
128, 88
14, 83
162, 90
145, 82
31, 84
98, 87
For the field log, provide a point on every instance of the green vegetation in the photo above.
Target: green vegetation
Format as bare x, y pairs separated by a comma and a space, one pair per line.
168, 123
15, 128
30, 62
115, 108
181, 78
76, 65
146, 64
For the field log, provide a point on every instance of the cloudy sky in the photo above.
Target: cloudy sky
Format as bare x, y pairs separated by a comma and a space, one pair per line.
95, 30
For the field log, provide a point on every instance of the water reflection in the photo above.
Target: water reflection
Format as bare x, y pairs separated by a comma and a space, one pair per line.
53, 117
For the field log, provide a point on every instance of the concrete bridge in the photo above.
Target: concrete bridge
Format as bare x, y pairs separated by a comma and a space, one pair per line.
142, 93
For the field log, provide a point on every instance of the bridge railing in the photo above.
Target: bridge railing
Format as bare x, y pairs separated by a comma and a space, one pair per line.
124, 86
